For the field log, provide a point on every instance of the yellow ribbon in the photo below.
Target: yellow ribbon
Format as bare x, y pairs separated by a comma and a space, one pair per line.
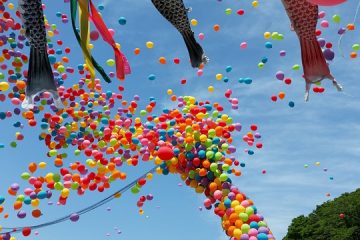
85, 35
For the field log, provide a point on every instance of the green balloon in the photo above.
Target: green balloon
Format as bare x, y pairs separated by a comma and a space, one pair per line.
20, 198
58, 186
249, 211
218, 156
74, 186
223, 177
213, 167
25, 176
245, 227
56, 177
244, 217
135, 190
356, 47
336, 18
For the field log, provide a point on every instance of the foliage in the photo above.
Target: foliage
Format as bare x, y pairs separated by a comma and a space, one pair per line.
338, 219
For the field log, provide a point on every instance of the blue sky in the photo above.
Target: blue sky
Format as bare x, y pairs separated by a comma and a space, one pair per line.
324, 130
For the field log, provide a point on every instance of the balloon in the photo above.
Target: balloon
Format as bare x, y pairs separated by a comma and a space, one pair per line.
326, 2
149, 44
106, 131
165, 153
26, 231
4, 86
94, 35
194, 22
36, 213
122, 21
74, 217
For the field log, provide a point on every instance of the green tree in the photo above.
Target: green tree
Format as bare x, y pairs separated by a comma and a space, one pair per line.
338, 219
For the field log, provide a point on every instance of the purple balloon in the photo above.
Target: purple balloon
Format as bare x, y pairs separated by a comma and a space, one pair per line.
15, 187
329, 54
341, 31
21, 214
280, 75
263, 230
149, 197
322, 42
231, 196
244, 237
74, 217
6, 236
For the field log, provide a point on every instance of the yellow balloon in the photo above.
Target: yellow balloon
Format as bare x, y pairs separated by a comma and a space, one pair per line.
219, 76
49, 177
159, 170
11, 6
149, 44
194, 22
65, 192
42, 165
199, 189
237, 233
4, 86
158, 161
149, 176
267, 35
35, 203
51, 33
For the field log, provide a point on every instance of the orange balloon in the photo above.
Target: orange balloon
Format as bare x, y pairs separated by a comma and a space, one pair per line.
17, 205
32, 167
202, 172
216, 27
213, 187
162, 60
58, 162
350, 27
173, 98
11, 192
137, 51
20, 84
36, 213
281, 95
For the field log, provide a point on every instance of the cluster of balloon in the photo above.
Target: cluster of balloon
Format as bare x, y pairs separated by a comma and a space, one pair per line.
233, 101
193, 141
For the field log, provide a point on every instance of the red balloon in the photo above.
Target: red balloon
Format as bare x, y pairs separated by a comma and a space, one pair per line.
165, 153
94, 35
326, 2
26, 231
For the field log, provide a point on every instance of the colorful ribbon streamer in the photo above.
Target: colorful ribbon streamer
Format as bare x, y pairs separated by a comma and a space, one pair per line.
73, 8
122, 65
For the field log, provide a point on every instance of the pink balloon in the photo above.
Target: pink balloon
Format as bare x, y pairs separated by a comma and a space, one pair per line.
327, 2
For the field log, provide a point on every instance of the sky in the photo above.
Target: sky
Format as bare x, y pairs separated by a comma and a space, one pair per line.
325, 129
